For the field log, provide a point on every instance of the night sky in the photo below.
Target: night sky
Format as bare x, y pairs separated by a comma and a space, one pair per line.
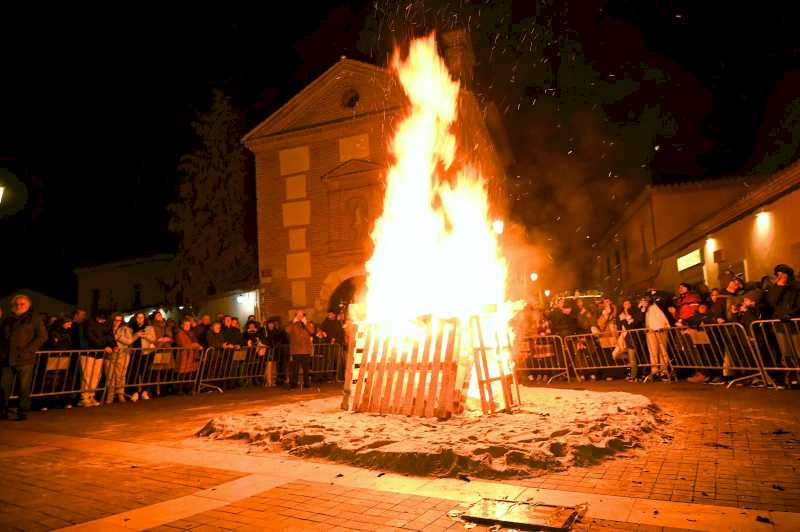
96, 112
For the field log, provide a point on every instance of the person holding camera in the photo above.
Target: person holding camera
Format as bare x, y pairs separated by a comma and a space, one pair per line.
301, 333
782, 302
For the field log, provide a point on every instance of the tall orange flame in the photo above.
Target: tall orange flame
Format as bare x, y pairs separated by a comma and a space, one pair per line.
436, 253
435, 250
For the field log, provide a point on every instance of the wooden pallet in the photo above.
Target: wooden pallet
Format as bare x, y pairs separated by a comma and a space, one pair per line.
497, 385
423, 375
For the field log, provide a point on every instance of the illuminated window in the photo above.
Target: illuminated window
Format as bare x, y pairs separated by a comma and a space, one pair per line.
693, 258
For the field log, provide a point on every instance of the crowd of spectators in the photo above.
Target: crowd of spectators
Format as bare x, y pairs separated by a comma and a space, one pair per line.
135, 342
773, 297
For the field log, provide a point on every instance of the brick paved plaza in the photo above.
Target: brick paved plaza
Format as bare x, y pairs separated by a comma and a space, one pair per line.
730, 466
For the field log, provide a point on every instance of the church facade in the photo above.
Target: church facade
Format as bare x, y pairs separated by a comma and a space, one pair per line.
320, 164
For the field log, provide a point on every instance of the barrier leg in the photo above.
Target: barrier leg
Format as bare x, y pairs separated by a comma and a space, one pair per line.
744, 378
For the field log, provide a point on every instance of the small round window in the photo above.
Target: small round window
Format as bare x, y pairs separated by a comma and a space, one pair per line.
350, 98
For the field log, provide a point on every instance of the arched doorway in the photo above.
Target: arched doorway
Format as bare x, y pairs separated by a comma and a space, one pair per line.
344, 294
333, 282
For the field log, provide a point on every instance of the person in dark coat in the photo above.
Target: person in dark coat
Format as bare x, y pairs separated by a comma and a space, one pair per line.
202, 329
630, 317
748, 311
254, 334
332, 328
233, 335
23, 333
60, 335
782, 302
716, 306
80, 334
214, 337
563, 320
99, 332
278, 342
701, 317
734, 293
276, 335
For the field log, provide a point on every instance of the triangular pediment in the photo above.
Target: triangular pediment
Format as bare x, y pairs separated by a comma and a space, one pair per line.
351, 168
349, 89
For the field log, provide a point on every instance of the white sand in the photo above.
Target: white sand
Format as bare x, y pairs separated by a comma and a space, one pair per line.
553, 429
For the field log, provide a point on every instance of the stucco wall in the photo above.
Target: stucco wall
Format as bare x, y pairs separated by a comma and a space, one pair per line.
761, 240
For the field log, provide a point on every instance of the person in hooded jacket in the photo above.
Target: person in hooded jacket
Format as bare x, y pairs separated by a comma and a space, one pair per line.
782, 302
59, 335
254, 334
102, 343
94, 343
80, 336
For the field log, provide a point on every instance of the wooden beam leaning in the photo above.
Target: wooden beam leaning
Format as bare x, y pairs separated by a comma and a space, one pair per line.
360, 363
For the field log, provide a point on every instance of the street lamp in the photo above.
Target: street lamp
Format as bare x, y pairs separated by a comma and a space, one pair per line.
547, 293
534, 277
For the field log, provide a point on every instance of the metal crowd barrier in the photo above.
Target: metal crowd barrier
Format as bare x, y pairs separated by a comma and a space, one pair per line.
249, 364
778, 345
150, 369
543, 355
621, 350
68, 373
327, 362
772, 346
723, 347
233, 365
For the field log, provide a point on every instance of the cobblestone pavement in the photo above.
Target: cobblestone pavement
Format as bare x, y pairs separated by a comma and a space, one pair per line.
735, 448
316, 506
52, 488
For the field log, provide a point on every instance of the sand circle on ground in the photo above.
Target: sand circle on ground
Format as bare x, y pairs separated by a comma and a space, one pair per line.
553, 429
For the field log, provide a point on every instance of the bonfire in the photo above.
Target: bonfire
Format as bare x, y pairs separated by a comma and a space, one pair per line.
441, 342
440, 345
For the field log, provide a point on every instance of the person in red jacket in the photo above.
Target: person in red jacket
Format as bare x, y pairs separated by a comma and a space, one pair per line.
687, 302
